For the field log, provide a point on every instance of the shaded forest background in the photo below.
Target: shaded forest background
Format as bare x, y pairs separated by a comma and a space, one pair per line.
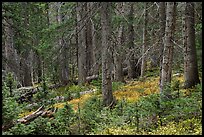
69, 46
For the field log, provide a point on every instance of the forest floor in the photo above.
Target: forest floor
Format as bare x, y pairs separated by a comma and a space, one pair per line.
131, 92
127, 95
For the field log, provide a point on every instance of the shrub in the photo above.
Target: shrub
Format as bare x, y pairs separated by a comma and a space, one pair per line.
117, 85
10, 108
186, 127
96, 83
10, 82
63, 119
74, 91
21, 129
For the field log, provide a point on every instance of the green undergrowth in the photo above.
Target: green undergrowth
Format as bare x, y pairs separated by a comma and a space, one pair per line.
140, 113
180, 116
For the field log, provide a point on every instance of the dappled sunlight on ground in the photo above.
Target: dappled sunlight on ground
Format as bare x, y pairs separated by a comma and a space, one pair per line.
74, 102
80, 100
132, 91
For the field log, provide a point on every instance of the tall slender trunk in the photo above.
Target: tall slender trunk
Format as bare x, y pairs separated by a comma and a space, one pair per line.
162, 18
39, 68
63, 45
118, 57
190, 59
131, 61
9, 53
82, 71
89, 41
118, 54
27, 78
106, 54
96, 44
144, 46
168, 49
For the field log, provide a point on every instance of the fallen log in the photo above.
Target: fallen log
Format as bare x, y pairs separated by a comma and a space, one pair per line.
88, 91
32, 116
90, 78
39, 112
23, 120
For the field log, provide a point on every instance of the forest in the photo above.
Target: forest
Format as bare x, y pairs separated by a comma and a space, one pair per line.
101, 68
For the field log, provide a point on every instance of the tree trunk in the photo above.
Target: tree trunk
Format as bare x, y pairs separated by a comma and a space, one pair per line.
106, 62
190, 60
162, 17
39, 68
168, 49
131, 61
63, 46
9, 53
96, 50
118, 58
65, 65
81, 43
26, 62
11, 59
144, 47
89, 42
118, 54
27, 79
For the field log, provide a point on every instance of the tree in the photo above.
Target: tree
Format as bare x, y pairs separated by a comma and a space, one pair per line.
89, 40
162, 18
191, 76
131, 60
118, 52
63, 44
82, 71
143, 65
9, 53
24, 61
168, 48
106, 51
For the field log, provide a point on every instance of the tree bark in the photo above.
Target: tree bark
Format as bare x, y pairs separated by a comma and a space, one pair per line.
168, 49
144, 47
106, 62
26, 62
131, 61
9, 53
82, 71
118, 53
89, 41
191, 76
162, 18
63, 45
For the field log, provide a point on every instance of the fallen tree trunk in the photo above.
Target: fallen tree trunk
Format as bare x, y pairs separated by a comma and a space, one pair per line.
27, 119
23, 120
32, 116
39, 112
88, 91
90, 78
